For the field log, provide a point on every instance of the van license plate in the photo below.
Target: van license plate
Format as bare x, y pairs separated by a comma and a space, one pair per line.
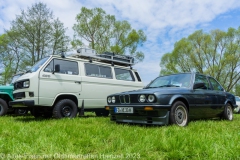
123, 109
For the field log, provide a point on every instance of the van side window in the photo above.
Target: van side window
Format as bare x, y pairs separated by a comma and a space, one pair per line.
94, 70
66, 67
123, 74
138, 77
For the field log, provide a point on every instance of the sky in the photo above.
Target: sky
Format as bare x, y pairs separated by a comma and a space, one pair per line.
163, 21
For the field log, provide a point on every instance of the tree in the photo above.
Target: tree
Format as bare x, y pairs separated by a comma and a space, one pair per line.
59, 40
104, 33
237, 90
216, 53
39, 33
33, 35
11, 55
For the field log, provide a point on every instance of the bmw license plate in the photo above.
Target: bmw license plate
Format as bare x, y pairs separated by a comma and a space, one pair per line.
123, 109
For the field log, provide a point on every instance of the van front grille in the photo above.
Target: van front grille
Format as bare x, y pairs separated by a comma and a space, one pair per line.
19, 95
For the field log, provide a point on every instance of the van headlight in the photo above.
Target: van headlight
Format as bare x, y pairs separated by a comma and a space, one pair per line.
26, 84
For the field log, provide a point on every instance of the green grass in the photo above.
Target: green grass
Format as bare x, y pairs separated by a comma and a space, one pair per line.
98, 138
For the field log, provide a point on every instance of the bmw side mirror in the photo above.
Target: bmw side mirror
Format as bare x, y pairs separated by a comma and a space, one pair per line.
199, 86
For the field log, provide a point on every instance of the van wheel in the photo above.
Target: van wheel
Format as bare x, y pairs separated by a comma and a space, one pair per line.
179, 114
104, 113
65, 108
228, 112
3, 107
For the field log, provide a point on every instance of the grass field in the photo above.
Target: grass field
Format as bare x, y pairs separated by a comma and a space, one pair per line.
93, 137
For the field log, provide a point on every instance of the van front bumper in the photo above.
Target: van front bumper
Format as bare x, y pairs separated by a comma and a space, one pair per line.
26, 103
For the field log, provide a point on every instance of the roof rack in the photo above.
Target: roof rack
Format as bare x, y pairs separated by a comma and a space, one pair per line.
107, 57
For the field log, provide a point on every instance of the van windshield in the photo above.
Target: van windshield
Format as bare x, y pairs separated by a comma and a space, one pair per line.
15, 77
38, 65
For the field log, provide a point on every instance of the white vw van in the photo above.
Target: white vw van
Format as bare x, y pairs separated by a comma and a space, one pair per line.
62, 86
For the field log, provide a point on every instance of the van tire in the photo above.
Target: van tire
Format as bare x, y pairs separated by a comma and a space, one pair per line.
65, 108
3, 107
102, 113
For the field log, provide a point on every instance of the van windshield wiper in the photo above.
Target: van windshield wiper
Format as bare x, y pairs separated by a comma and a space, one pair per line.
29, 71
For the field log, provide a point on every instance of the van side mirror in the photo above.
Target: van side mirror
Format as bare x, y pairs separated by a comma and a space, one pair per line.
57, 68
199, 86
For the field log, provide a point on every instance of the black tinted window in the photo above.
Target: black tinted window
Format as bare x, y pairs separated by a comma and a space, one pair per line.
123, 74
94, 70
66, 67
215, 84
202, 79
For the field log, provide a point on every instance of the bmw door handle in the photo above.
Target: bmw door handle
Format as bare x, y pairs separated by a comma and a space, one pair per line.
78, 82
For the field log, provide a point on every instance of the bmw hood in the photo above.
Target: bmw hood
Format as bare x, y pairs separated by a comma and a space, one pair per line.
164, 90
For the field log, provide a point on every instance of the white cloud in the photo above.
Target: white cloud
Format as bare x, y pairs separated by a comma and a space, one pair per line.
163, 21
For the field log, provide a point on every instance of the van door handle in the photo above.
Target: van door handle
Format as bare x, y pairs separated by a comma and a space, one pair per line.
78, 82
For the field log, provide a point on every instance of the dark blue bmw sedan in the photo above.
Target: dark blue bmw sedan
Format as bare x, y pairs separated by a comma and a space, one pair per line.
173, 99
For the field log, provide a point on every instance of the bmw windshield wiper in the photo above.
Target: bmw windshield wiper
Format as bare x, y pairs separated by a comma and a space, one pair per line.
169, 85
151, 87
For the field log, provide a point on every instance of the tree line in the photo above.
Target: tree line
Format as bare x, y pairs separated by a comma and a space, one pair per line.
36, 33
216, 53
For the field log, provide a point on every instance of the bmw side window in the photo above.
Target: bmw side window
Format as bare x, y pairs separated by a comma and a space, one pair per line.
202, 79
66, 67
215, 84
123, 74
94, 70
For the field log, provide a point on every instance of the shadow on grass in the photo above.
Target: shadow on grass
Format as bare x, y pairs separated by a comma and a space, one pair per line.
30, 118
207, 121
139, 125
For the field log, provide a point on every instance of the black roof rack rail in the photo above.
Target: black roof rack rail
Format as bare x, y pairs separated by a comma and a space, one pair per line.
107, 57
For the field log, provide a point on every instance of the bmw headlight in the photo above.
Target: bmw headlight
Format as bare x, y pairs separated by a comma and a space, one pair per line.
113, 99
151, 98
142, 98
26, 84
109, 99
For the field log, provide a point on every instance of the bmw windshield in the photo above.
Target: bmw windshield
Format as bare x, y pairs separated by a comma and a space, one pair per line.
38, 65
176, 80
